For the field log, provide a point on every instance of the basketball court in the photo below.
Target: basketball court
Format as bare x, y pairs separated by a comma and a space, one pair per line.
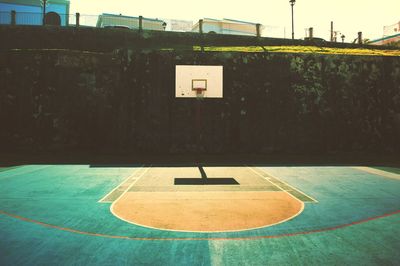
198, 215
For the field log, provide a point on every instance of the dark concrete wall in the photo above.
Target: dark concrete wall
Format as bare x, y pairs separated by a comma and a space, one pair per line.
124, 102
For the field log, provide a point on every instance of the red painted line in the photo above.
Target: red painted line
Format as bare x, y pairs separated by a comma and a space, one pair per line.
193, 238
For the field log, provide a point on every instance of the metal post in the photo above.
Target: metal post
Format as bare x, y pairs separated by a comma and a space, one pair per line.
198, 123
331, 31
258, 29
292, 24
201, 26
140, 23
360, 37
201, 34
292, 4
78, 18
311, 33
44, 12
13, 17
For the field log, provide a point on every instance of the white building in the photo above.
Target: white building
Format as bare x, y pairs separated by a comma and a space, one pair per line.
391, 34
109, 20
179, 25
30, 12
228, 26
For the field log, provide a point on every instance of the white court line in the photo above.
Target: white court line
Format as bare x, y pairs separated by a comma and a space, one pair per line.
216, 231
131, 185
126, 179
377, 172
294, 189
271, 182
7, 174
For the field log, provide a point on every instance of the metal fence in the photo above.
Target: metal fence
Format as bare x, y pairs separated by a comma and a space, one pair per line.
204, 26
27, 18
143, 23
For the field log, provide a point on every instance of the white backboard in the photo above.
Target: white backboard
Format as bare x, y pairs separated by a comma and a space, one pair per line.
188, 77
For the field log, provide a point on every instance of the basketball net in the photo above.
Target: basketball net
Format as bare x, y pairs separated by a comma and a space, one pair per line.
199, 93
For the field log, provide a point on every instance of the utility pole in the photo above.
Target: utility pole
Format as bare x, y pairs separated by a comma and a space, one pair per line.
331, 31
292, 2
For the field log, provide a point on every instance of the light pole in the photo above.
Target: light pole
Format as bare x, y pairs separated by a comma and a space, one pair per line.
44, 3
292, 2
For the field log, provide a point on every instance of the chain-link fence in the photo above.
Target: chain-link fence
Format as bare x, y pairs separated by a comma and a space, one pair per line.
206, 26
275, 31
103, 20
315, 32
82, 20
224, 26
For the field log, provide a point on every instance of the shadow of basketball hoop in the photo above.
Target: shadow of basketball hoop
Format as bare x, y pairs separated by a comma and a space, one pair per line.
52, 19
205, 181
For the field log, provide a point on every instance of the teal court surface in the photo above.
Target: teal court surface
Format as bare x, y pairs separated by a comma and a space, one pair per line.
128, 215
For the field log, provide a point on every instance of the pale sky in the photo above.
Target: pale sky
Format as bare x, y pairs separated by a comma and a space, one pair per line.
349, 16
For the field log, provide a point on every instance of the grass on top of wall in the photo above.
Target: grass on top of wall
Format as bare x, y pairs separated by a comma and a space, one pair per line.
300, 49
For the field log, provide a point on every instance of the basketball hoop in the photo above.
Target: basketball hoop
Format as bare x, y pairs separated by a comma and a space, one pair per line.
199, 92
198, 81
200, 86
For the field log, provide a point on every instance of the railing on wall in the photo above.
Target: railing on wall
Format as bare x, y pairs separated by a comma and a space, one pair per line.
119, 21
206, 26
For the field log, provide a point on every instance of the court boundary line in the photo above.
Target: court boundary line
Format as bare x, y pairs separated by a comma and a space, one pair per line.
205, 232
24, 172
9, 168
379, 172
298, 190
131, 185
120, 184
126, 190
70, 230
303, 203
222, 231
251, 168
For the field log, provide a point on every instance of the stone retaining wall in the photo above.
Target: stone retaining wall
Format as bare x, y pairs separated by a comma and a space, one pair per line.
124, 102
